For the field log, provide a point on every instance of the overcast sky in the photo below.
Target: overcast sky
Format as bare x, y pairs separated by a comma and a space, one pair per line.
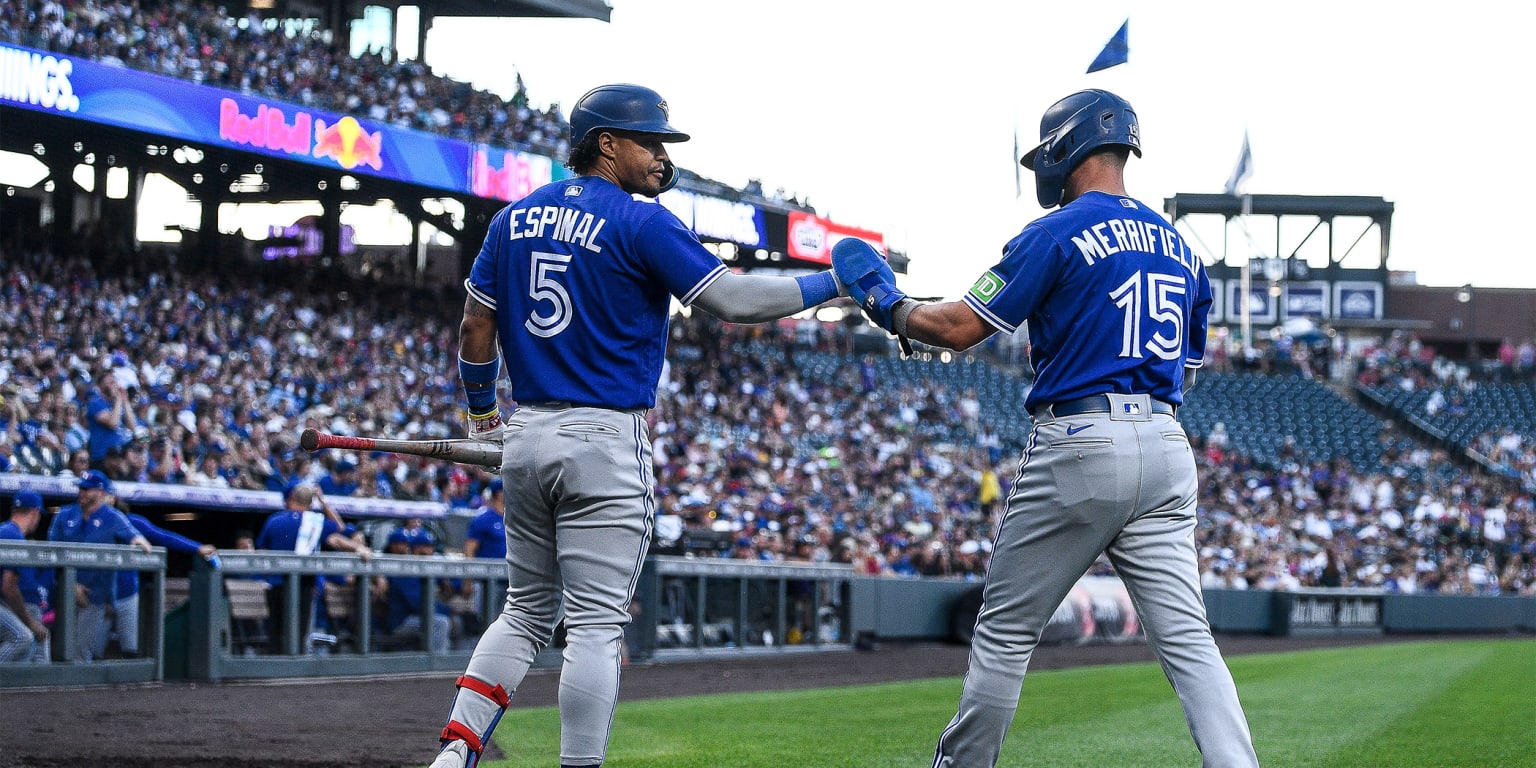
901, 117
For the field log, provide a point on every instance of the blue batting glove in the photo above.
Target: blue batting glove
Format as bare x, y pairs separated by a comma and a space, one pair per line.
868, 278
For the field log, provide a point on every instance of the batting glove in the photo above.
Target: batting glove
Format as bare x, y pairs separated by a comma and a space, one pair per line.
486, 427
869, 280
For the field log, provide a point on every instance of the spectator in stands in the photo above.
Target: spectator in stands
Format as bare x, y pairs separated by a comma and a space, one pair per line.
342, 480
210, 471
23, 598
109, 416
93, 520
300, 528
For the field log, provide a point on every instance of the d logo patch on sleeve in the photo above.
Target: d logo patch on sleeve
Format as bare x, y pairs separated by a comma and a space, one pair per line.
987, 287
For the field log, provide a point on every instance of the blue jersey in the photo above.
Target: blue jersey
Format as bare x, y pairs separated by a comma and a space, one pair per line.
289, 531
32, 590
1115, 301
490, 530
105, 526
128, 581
580, 274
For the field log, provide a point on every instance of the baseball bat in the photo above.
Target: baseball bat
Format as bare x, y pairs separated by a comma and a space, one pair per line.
462, 450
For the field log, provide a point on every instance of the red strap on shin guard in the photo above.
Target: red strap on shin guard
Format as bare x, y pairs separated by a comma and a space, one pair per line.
458, 730
497, 694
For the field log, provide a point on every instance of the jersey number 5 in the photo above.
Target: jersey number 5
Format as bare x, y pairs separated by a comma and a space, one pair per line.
542, 286
1160, 302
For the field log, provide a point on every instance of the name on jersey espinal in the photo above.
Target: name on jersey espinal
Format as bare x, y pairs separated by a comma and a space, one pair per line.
557, 222
1108, 238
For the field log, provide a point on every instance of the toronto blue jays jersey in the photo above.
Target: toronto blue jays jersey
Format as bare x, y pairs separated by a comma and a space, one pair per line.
128, 581
104, 526
1114, 298
581, 276
32, 590
490, 530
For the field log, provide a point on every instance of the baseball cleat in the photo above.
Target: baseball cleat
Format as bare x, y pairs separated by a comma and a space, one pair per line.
455, 755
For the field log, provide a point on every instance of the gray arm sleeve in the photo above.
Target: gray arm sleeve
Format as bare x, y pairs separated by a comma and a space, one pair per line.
751, 298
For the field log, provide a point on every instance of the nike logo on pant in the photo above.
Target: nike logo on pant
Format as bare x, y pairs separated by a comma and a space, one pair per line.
1072, 430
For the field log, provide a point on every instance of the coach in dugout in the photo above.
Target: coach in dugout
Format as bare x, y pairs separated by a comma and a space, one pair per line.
91, 520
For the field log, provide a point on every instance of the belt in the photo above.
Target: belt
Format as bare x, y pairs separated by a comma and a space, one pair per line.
1095, 404
549, 405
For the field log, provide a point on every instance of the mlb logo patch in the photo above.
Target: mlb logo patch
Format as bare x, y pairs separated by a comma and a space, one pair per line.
1127, 202
1132, 409
573, 191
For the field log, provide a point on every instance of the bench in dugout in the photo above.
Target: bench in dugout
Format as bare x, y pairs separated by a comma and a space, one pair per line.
248, 623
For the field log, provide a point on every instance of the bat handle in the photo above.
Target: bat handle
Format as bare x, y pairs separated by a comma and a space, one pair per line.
314, 440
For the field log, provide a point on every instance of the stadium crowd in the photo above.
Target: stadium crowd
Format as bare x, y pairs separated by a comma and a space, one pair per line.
202, 42
207, 379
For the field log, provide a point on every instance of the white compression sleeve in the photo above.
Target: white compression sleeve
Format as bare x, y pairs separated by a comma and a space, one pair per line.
751, 298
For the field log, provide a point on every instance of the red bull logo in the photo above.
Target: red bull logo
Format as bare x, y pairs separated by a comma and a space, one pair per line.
349, 144
267, 129
519, 175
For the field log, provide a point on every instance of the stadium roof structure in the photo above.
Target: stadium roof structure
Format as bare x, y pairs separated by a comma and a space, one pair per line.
1325, 208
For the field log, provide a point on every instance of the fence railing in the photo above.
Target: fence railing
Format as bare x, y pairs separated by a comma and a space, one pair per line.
66, 561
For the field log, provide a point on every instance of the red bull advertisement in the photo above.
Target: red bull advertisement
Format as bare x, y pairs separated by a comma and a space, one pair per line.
84, 90
811, 237
505, 174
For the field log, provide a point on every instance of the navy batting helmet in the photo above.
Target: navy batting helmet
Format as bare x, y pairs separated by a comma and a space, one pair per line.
622, 107
1070, 130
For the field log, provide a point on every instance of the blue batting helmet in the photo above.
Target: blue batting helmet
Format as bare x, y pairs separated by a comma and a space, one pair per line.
622, 107
1070, 130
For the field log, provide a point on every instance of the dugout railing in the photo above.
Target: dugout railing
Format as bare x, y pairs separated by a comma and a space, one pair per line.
688, 606
296, 643
66, 561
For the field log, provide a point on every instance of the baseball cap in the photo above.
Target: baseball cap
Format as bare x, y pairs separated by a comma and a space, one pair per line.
398, 536
345, 466
496, 485
95, 479
28, 499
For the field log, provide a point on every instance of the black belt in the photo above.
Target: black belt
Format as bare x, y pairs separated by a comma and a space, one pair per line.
1095, 404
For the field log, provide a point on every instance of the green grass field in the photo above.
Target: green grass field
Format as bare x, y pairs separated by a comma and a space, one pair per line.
1457, 704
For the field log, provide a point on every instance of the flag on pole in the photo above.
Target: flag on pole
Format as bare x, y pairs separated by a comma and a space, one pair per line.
1243, 170
1018, 180
1116, 51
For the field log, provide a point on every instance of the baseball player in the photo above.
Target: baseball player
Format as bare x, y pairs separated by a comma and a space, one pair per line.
91, 520
574, 283
125, 607
1116, 306
23, 599
298, 528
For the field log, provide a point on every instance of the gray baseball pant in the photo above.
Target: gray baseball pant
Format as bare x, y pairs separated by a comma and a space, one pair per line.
579, 511
1121, 485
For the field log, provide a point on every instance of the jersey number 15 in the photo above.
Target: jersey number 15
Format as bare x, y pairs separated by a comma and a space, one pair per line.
1161, 301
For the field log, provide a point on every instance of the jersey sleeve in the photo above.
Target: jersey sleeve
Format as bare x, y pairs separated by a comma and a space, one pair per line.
163, 538
674, 255
481, 283
1008, 293
122, 530
1199, 312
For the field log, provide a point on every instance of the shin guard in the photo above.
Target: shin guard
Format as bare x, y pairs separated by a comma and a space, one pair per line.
458, 730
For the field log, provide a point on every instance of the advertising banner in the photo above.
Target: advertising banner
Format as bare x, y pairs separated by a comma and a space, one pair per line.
1358, 300
717, 218
1306, 300
140, 101
811, 237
